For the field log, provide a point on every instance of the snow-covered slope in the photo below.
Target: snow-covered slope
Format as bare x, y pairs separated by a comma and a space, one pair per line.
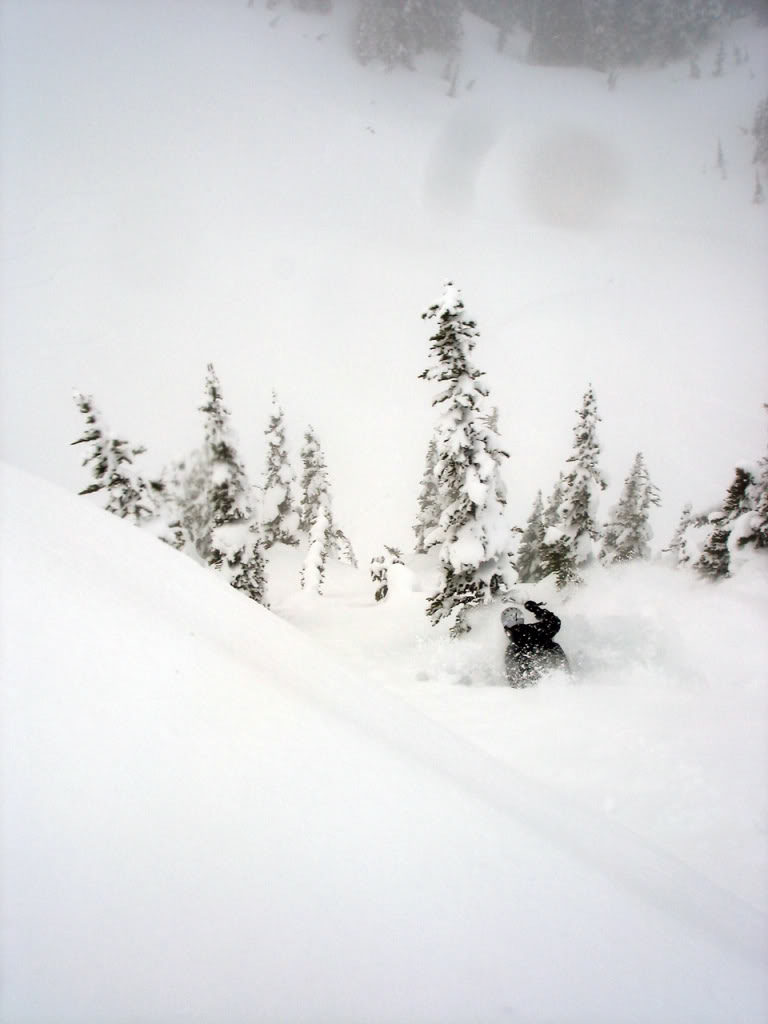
185, 183
207, 816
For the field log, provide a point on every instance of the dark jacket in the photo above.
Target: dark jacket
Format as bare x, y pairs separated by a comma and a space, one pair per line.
531, 651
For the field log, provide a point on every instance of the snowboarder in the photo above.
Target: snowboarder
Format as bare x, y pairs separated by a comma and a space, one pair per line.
531, 651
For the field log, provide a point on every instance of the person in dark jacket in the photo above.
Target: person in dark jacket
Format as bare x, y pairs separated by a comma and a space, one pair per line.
531, 651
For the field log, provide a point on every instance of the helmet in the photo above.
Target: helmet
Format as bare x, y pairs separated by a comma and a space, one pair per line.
511, 616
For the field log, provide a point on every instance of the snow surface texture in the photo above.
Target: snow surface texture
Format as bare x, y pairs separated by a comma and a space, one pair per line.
287, 215
208, 814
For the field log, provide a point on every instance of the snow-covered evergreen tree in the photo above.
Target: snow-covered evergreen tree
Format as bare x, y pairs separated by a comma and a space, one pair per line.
228, 494
528, 560
380, 566
112, 466
569, 544
428, 515
627, 533
314, 486
678, 547
280, 518
235, 544
555, 554
472, 533
320, 543
237, 554
751, 529
316, 495
342, 548
188, 482
715, 560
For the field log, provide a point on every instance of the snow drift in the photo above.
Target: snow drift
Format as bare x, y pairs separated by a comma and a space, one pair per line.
206, 817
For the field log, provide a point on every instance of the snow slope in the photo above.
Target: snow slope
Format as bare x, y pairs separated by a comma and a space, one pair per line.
209, 815
185, 183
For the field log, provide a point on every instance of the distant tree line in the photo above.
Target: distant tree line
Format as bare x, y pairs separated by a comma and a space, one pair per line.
602, 34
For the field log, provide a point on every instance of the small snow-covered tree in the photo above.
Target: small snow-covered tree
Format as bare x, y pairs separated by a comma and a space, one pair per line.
314, 486
279, 515
380, 566
556, 559
228, 492
715, 560
237, 554
320, 542
528, 560
627, 533
573, 531
112, 466
472, 533
235, 544
678, 547
188, 483
751, 529
342, 547
429, 509
316, 495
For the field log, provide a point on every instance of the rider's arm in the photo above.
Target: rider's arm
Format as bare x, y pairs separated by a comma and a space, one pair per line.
548, 623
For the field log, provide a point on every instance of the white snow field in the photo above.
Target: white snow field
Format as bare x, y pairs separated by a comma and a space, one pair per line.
210, 815
329, 812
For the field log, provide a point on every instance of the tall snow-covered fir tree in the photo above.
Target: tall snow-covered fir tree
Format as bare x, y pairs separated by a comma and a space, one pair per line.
428, 514
570, 544
314, 486
112, 466
627, 533
280, 518
316, 496
472, 533
529, 553
235, 545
